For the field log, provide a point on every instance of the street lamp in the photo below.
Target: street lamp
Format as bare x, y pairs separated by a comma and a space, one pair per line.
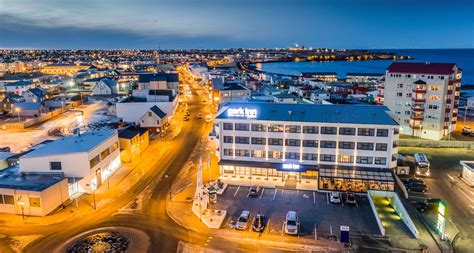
18, 111
22, 205
169, 184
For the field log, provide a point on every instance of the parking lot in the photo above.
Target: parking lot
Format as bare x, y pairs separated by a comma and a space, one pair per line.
314, 210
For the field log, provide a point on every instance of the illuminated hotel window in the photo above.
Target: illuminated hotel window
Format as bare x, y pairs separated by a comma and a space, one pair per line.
258, 141
293, 129
258, 153
275, 128
274, 154
259, 128
346, 158
310, 129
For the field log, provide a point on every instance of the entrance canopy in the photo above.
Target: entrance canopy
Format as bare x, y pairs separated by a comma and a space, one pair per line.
381, 175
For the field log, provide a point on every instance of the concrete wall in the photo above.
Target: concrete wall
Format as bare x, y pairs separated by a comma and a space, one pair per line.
399, 208
377, 218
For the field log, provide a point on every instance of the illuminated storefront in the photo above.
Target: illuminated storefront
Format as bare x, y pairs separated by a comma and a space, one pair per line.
355, 179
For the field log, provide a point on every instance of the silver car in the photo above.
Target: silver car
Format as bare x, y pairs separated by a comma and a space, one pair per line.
242, 222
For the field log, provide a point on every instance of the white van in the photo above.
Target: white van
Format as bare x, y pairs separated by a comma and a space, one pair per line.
292, 223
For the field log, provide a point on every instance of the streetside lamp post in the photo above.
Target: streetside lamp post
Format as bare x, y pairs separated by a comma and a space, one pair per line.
17, 110
22, 205
169, 185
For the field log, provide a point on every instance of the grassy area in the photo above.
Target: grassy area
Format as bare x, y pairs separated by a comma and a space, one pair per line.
441, 157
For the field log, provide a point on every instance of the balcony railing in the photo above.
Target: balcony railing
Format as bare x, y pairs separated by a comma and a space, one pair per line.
418, 100
418, 108
419, 90
416, 116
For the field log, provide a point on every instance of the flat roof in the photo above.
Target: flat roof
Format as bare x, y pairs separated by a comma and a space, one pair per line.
11, 178
72, 144
344, 114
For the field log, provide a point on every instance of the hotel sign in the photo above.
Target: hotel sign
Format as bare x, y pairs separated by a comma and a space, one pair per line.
242, 113
291, 166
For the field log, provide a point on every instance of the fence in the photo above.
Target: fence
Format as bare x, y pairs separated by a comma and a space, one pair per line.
42, 118
435, 144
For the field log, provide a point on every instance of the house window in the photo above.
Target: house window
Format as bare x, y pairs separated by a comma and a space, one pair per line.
258, 141
228, 152
228, 126
382, 132
241, 127
55, 166
94, 161
292, 155
293, 129
35, 202
242, 140
328, 144
292, 142
328, 130
310, 143
346, 159
259, 128
346, 145
365, 146
104, 154
347, 131
115, 146
275, 128
258, 153
228, 139
364, 159
381, 160
8, 200
310, 129
328, 158
275, 141
365, 132
149, 114
310, 157
381, 147
242, 152
274, 154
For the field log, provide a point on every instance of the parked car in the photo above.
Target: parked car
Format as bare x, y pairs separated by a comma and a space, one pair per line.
421, 206
350, 199
410, 180
5, 149
242, 222
335, 197
467, 131
416, 187
186, 118
292, 223
254, 191
258, 224
199, 116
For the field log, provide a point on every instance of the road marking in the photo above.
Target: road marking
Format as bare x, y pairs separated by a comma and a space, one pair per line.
261, 194
282, 191
314, 198
236, 190
268, 226
330, 228
327, 198
274, 195
282, 228
297, 193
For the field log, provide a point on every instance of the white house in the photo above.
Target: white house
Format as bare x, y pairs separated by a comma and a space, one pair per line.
89, 159
105, 86
318, 96
153, 118
18, 87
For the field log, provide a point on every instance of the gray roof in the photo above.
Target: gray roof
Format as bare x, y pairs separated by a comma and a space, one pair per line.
28, 105
156, 110
343, 114
19, 83
11, 178
73, 144
169, 77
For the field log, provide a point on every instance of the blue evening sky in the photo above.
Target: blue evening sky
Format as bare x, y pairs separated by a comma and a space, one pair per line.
236, 23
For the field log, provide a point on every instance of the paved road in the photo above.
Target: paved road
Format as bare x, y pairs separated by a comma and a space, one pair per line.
444, 183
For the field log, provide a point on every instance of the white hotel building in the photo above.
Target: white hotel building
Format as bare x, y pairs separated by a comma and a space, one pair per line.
303, 146
424, 97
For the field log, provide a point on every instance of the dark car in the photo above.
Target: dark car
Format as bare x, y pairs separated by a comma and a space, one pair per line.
421, 206
254, 191
411, 180
416, 187
350, 199
258, 224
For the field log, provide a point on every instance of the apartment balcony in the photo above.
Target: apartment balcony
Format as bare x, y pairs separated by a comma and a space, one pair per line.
418, 108
455, 114
416, 116
458, 88
418, 100
449, 92
456, 97
448, 101
380, 95
380, 87
418, 126
419, 90
446, 119
447, 110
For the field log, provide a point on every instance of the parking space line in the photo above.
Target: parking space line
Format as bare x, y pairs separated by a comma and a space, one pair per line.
274, 195
282, 191
297, 192
236, 191
327, 198
261, 194
268, 226
314, 198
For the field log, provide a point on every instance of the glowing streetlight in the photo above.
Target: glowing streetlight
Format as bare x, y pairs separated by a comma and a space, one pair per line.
18, 111
22, 205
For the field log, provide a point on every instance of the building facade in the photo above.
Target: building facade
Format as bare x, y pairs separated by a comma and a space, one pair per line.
424, 96
317, 147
